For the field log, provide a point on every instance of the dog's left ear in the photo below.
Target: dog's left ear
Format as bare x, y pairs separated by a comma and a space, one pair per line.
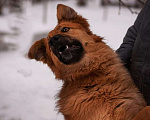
65, 13
38, 51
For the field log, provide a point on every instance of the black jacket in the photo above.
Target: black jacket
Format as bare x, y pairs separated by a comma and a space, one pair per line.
135, 51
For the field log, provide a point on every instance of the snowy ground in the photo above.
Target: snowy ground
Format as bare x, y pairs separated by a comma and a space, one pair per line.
28, 88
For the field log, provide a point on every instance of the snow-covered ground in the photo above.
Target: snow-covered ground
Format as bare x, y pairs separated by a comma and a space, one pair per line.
28, 88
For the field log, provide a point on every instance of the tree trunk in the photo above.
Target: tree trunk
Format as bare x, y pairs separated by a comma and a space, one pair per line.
0, 7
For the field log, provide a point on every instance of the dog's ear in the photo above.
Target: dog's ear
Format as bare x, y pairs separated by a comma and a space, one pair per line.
65, 13
38, 51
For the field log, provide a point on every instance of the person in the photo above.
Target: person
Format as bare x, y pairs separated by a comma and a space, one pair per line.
135, 51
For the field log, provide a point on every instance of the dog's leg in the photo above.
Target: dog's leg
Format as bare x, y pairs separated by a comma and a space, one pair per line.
143, 114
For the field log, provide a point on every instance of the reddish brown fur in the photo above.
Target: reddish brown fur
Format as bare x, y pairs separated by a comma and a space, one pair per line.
97, 87
144, 114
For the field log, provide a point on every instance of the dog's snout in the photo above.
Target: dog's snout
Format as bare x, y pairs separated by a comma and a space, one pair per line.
54, 39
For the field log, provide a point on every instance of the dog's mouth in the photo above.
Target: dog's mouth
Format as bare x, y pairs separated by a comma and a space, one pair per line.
66, 49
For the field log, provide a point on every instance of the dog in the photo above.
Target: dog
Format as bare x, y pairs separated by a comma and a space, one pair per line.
96, 86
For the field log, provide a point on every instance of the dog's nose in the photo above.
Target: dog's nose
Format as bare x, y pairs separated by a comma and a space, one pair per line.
54, 39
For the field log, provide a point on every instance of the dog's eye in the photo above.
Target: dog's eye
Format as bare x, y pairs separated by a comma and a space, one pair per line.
65, 29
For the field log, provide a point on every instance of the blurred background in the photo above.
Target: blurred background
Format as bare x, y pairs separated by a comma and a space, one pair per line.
28, 88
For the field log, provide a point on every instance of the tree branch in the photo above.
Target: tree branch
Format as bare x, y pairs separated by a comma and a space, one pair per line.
121, 2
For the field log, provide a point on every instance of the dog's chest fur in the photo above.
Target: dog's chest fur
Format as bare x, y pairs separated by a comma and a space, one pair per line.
90, 96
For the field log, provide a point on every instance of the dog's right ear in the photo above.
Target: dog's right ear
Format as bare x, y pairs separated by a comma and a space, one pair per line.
65, 13
38, 51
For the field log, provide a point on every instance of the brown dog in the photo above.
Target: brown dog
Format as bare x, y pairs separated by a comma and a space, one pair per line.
96, 85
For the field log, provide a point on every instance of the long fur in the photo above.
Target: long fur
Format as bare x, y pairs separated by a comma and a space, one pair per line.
97, 87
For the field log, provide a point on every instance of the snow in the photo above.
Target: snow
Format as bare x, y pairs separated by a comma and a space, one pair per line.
28, 88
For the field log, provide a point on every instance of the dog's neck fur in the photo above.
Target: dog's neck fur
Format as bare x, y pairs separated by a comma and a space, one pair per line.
100, 69
95, 62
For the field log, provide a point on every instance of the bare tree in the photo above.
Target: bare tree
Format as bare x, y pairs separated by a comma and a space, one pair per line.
139, 3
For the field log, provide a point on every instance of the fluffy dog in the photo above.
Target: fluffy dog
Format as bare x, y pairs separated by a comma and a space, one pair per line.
96, 85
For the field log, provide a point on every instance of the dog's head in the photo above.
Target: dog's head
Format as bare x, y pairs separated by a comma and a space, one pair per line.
70, 47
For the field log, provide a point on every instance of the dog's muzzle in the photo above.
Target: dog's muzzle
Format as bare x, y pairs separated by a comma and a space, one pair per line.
67, 49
